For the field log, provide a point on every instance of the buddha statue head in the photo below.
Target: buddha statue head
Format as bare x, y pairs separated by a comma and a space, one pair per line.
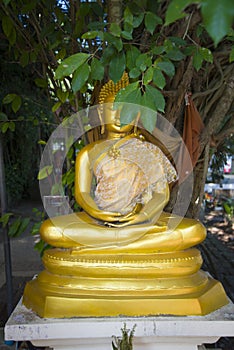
108, 113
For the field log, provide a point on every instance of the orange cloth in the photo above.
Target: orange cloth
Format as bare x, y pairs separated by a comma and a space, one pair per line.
193, 127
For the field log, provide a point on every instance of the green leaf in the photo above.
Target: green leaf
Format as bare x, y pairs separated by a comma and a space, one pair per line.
45, 172
16, 103
5, 219
80, 77
57, 189
23, 225
117, 67
113, 40
148, 118
41, 82
97, 69
130, 111
35, 121
90, 35
157, 50
177, 40
137, 20
4, 127
168, 45
61, 54
70, 64
126, 35
11, 126
197, 60
159, 79
6, 2
128, 16
231, 57
18, 227
148, 75
115, 29
128, 28
69, 177
190, 50
131, 95
33, 56
9, 98
134, 73
206, 54
167, 67
156, 96
151, 21
143, 61
175, 55
7, 25
56, 106
41, 246
35, 229
14, 227
108, 53
41, 142
131, 56
174, 10
24, 59
12, 37
62, 95
217, 17
3, 117
121, 96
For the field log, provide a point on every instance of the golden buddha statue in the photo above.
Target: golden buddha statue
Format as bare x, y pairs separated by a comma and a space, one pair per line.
122, 255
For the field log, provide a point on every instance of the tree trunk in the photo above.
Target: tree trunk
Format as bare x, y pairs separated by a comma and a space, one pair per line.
199, 175
222, 107
114, 10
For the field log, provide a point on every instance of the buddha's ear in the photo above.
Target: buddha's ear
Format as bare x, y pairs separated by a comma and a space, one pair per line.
100, 111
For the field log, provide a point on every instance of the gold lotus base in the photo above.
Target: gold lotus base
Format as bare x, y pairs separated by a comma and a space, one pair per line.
75, 285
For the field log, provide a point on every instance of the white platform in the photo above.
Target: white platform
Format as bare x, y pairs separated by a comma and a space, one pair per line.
152, 333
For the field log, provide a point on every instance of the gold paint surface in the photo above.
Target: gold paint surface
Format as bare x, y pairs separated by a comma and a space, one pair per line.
70, 262
47, 302
134, 262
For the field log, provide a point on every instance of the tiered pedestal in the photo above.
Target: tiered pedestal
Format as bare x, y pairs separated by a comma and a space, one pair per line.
99, 285
152, 333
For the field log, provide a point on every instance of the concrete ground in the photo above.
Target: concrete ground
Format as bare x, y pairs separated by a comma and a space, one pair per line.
25, 259
217, 253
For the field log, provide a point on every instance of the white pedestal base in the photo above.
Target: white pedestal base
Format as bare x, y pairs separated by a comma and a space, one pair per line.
152, 333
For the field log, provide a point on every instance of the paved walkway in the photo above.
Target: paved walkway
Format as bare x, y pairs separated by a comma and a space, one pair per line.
218, 250
25, 259
217, 253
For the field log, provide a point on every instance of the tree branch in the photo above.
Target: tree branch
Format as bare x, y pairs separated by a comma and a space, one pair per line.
175, 106
221, 109
226, 131
114, 11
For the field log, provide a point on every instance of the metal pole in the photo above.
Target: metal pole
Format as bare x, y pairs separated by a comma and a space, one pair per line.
6, 240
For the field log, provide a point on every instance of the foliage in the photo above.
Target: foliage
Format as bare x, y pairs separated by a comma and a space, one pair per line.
167, 48
21, 117
80, 50
125, 342
228, 207
219, 158
17, 224
40, 246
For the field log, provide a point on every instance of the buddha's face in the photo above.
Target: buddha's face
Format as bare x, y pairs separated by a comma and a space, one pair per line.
112, 118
